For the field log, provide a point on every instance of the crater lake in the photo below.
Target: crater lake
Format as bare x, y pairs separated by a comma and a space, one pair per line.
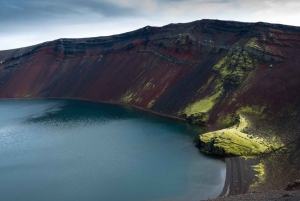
59, 149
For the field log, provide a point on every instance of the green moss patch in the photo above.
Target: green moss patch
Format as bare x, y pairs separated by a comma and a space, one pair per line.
253, 43
252, 109
261, 175
201, 106
150, 104
234, 65
127, 97
232, 141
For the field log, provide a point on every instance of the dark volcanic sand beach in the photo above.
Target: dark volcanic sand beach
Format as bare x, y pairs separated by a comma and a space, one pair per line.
238, 175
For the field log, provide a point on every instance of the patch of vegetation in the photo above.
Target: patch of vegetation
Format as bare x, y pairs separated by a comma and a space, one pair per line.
199, 118
207, 84
258, 110
232, 141
253, 44
150, 104
233, 66
201, 106
261, 176
148, 86
127, 97
198, 112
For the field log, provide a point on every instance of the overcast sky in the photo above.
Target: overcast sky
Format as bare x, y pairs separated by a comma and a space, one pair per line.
28, 22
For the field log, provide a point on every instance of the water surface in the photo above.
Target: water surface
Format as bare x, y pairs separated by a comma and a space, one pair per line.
75, 150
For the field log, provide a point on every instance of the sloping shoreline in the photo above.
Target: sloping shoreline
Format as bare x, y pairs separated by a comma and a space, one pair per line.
239, 176
236, 173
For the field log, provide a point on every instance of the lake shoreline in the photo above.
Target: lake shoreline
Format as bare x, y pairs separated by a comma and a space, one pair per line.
227, 160
110, 103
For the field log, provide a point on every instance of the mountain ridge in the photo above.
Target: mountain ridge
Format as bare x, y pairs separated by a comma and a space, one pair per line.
208, 72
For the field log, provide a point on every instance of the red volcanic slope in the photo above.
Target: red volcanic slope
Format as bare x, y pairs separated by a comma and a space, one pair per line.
225, 66
166, 64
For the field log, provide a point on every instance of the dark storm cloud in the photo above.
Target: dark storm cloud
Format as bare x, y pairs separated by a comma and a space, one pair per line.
36, 11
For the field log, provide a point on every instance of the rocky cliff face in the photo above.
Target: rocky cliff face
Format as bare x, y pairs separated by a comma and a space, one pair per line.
207, 72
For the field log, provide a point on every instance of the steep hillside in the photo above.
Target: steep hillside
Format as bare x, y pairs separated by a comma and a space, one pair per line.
219, 73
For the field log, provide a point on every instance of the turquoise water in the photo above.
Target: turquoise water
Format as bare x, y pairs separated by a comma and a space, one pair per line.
78, 150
